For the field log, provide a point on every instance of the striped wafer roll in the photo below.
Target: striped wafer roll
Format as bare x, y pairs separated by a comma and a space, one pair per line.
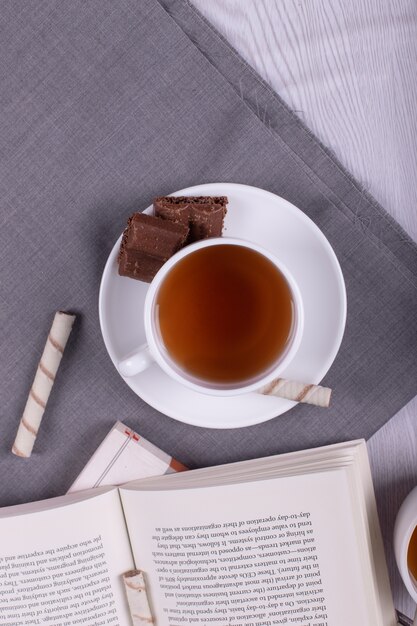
137, 598
42, 384
299, 392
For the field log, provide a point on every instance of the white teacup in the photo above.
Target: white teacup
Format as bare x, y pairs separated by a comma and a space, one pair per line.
405, 524
155, 351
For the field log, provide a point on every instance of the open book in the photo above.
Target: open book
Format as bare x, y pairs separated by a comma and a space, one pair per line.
289, 539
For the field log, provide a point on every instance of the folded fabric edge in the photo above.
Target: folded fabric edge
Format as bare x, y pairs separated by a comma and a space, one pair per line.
372, 219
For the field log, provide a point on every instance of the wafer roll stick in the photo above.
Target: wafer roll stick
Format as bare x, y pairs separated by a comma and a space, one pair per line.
42, 384
299, 392
137, 598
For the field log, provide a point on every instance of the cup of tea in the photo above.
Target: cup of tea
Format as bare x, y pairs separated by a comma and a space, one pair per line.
222, 316
405, 542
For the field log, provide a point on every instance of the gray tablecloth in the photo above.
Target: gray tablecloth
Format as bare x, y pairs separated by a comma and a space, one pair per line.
103, 106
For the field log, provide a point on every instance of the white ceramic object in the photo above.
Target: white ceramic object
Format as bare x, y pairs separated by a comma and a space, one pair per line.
154, 350
405, 523
279, 227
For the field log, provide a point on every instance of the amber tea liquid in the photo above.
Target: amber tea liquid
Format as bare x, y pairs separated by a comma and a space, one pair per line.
225, 314
412, 555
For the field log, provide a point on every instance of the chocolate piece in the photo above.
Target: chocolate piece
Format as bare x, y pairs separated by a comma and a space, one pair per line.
135, 264
170, 200
174, 212
153, 236
203, 214
206, 221
147, 243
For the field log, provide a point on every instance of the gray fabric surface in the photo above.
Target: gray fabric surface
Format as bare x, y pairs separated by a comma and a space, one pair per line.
103, 106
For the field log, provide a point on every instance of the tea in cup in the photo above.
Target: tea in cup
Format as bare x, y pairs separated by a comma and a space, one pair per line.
222, 316
405, 542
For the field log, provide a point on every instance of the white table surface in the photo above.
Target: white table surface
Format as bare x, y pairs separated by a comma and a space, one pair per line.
349, 69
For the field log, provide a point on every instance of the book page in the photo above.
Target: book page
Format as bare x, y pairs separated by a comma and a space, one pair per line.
269, 552
63, 566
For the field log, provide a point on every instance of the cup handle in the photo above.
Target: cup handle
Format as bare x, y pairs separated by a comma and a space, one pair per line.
136, 362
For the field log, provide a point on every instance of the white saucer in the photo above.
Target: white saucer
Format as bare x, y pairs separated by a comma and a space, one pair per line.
277, 225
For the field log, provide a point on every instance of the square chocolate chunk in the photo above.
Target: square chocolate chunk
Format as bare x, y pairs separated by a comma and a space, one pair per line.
203, 214
147, 243
139, 265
